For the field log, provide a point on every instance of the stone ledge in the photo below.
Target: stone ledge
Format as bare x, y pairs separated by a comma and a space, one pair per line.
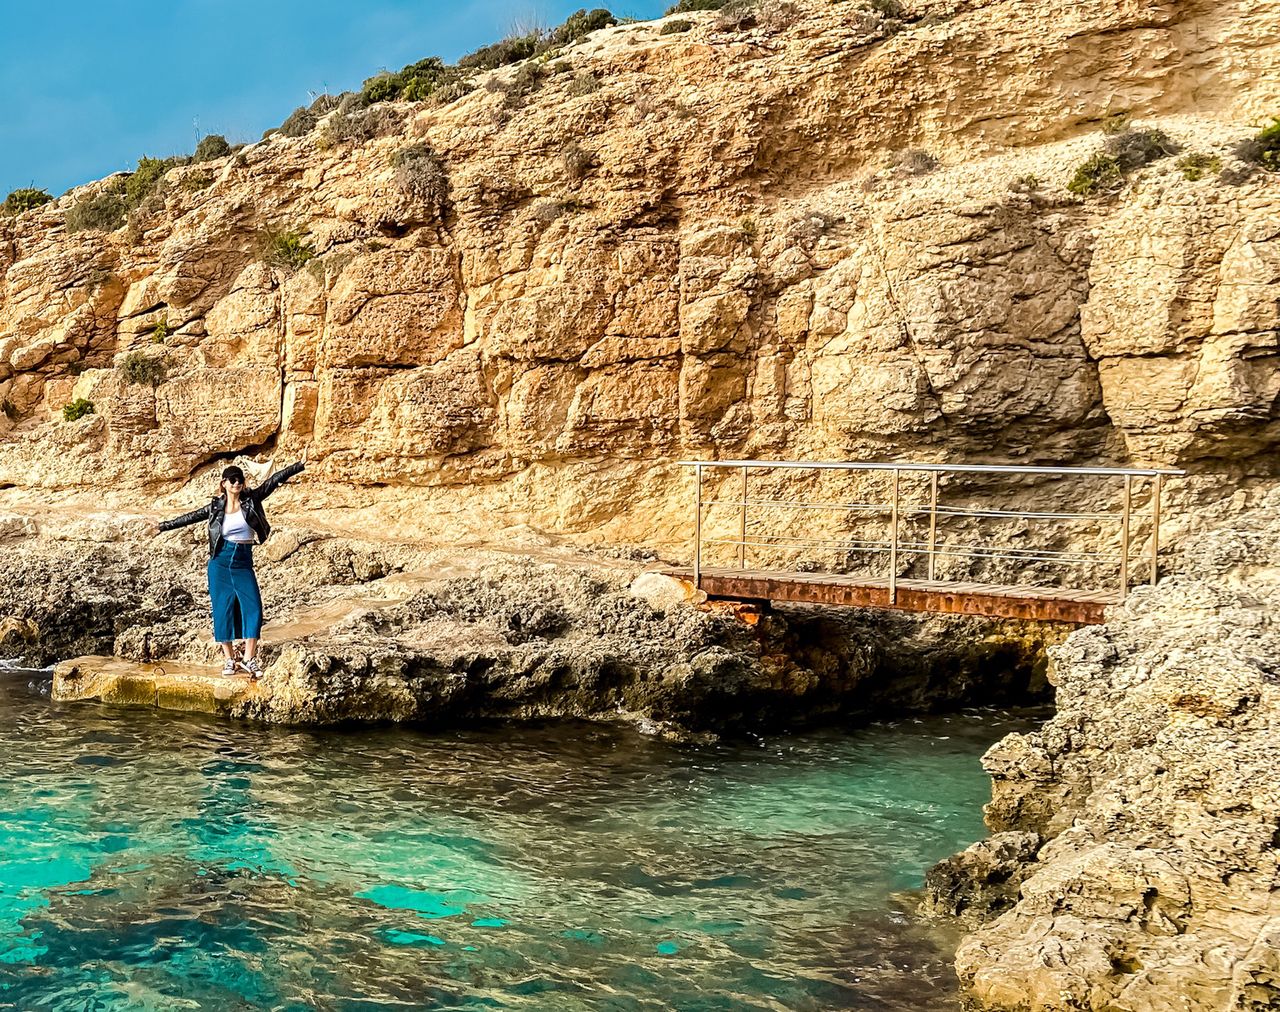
167, 685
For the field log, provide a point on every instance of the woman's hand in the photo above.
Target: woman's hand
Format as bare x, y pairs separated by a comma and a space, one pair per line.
156, 530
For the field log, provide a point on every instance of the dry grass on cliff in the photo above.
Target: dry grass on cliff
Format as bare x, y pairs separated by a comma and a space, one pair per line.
1123, 152
421, 176
141, 369
354, 123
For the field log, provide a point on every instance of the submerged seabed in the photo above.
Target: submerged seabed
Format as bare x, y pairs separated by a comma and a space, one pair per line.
154, 861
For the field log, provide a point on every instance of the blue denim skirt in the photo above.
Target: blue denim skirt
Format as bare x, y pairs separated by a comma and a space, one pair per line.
233, 592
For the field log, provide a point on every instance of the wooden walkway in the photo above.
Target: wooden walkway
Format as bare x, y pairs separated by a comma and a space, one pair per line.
1021, 601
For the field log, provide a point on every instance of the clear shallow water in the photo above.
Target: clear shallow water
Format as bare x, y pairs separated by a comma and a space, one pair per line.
152, 861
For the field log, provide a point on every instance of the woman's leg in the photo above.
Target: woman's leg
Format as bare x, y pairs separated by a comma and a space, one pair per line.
249, 599
222, 599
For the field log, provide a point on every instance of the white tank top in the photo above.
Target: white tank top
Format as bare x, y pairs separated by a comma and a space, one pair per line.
235, 527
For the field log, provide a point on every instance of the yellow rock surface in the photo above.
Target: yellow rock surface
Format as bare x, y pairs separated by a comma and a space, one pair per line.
756, 263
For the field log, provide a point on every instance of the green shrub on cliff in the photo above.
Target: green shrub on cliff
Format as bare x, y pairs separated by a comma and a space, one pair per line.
1100, 172
1268, 141
1263, 149
144, 370
298, 123
211, 146
691, 6
675, 26
145, 179
73, 411
537, 42
1197, 165
1122, 153
24, 200
303, 119
284, 248
431, 79
104, 212
577, 26
107, 210
414, 83
503, 53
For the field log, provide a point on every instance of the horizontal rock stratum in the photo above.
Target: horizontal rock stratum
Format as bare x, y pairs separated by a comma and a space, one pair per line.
821, 233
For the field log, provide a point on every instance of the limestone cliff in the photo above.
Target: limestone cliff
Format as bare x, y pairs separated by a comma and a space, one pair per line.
1135, 864
819, 232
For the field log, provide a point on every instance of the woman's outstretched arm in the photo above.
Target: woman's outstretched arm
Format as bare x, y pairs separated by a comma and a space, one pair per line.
194, 517
278, 479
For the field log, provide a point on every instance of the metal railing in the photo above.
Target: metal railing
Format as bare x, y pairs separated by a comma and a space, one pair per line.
919, 505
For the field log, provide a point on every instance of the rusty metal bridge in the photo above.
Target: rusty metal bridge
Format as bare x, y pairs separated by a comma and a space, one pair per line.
926, 537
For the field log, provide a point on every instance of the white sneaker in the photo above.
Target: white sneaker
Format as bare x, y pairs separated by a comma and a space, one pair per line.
251, 665
228, 668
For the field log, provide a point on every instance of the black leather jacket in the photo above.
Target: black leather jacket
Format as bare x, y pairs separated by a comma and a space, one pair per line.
251, 500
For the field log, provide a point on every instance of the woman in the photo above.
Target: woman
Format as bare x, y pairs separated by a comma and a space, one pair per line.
236, 517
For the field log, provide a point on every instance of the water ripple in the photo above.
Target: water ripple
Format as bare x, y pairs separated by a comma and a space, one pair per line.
156, 861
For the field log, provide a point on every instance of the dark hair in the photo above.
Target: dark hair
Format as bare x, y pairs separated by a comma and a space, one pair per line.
233, 473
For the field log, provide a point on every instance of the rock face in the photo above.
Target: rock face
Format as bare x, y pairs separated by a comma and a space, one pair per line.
983, 881
730, 244
1154, 786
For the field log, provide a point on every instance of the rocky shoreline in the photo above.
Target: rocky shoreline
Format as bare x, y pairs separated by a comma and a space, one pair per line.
818, 231
363, 631
1135, 861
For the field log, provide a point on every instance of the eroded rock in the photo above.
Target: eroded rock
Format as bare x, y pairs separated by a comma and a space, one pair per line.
1159, 884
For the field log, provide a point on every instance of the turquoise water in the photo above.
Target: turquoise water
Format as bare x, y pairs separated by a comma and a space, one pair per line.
152, 861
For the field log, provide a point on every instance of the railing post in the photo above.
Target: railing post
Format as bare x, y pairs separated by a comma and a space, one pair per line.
697, 527
933, 518
1155, 528
893, 544
742, 525
1124, 537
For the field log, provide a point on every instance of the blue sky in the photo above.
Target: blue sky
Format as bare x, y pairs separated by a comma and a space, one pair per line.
89, 86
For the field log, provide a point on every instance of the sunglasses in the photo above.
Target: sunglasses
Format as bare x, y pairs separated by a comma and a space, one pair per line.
234, 481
